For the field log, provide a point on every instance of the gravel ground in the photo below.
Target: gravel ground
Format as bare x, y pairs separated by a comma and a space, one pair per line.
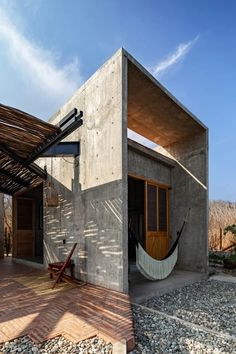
58, 345
156, 334
205, 320
211, 304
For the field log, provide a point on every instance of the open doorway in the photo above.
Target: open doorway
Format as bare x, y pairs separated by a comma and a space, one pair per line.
7, 225
136, 223
136, 215
28, 225
148, 220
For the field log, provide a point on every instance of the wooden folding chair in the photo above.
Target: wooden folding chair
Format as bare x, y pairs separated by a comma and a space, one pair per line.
57, 269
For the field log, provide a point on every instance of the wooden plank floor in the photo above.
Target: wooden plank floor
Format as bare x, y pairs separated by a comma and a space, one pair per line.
30, 307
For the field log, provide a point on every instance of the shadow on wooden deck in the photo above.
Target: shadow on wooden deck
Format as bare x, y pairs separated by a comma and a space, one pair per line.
30, 307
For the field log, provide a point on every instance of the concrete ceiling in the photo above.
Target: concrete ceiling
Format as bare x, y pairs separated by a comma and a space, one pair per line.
154, 113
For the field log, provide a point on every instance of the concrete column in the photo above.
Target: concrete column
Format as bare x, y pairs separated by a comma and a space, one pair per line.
190, 190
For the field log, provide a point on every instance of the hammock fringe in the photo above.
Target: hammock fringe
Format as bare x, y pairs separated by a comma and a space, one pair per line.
154, 269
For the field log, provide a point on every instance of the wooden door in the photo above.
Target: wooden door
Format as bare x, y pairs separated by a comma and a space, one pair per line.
156, 207
24, 227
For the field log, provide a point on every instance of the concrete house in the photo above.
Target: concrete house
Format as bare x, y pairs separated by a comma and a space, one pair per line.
114, 181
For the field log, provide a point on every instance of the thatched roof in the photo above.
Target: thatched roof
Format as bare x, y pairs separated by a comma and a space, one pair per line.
21, 137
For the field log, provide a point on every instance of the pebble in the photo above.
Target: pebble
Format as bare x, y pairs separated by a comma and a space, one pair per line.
58, 345
209, 304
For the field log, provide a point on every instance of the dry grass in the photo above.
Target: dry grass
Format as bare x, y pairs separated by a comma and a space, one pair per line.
7, 213
221, 214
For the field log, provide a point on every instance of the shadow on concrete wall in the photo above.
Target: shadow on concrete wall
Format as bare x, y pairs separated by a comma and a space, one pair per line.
93, 219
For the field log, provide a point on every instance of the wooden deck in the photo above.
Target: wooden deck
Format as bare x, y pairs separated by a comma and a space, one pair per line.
30, 307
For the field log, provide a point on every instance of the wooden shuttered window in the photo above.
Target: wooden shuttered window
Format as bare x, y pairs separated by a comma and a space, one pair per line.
157, 208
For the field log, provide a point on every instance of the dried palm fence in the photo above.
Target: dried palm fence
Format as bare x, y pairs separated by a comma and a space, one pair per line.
221, 214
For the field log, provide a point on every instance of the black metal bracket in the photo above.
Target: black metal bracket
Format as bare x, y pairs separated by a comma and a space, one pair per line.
68, 118
31, 167
68, 124
70, 148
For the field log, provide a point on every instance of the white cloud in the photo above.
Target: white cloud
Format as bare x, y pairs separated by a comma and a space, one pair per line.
38, 65
174, 58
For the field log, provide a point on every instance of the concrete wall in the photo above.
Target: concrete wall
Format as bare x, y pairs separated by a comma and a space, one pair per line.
188, 178
148, 168
1, 227
91, 189
190, 190
153, 166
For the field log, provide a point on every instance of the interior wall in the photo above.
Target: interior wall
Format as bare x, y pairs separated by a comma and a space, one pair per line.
92, 188
190, 190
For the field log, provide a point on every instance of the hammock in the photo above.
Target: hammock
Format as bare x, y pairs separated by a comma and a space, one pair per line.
152, 268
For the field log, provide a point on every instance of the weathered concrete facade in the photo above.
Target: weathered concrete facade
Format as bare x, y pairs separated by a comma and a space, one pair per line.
93, 208
149, 165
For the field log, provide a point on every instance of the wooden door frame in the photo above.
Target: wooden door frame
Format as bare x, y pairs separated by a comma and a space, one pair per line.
158, 185
15, 219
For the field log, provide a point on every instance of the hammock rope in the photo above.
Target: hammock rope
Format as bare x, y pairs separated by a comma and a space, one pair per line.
152, 268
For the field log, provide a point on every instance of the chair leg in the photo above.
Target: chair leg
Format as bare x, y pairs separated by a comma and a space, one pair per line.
57, 279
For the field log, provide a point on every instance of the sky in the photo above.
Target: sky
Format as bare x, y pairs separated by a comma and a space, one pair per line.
48, 48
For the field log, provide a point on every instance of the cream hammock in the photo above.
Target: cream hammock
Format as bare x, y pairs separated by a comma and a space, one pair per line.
152, 268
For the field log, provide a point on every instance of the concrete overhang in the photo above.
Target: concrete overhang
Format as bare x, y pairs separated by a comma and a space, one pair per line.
153, 112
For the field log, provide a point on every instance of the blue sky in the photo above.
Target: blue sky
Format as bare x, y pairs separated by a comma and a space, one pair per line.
49, 47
